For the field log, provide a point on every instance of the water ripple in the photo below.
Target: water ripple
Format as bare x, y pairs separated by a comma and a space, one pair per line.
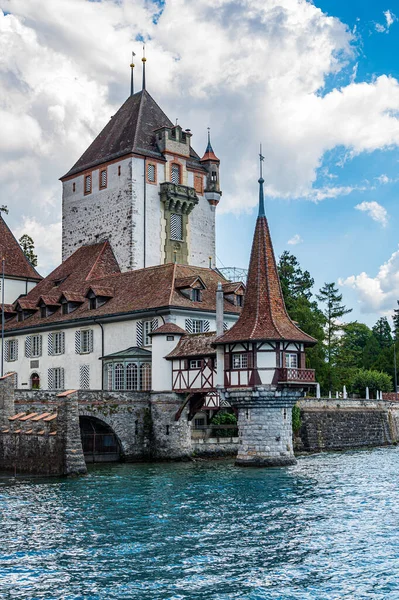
326, 528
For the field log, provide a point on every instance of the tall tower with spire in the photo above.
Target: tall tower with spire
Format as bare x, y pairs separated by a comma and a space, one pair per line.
264, 358
141, 185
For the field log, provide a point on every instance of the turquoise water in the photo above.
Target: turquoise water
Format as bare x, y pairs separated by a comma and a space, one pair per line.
326, 528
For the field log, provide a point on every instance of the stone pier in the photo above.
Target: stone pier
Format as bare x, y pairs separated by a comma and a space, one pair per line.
264, 425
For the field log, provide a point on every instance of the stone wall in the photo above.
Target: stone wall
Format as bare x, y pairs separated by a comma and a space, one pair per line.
350, 423
216, 447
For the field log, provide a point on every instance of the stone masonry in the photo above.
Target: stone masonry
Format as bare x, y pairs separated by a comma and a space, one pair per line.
264, 425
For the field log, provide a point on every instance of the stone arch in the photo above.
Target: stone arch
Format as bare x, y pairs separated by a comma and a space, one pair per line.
100, 442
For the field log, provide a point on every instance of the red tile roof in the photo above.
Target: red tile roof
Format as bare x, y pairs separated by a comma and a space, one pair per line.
168, 328
134, 291
198, 344
264, 315
16, 264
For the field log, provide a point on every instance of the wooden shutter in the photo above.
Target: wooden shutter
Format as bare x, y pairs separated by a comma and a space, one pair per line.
28, 346
40, 345
91, 341
154, 324
84, 377
6, 349
50, 377
139, 333
62, 335
206, 326
77, 342
189, 325
62, 379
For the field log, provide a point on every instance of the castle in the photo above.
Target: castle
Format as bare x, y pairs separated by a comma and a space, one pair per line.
138, 310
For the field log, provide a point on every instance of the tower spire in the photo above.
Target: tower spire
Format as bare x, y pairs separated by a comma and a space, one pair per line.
261, 182
131, 75
143, 61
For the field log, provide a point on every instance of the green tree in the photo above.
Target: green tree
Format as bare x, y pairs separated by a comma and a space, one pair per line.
382, 332
351, 351
334, 310
3, 209
28, 247
374, 380
295, 283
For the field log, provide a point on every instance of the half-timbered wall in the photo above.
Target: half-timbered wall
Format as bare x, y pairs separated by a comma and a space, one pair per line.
193, 374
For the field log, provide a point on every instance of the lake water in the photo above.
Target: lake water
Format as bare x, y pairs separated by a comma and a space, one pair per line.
326, 528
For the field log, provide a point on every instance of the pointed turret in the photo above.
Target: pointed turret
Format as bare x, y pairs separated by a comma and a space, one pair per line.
264, 315
211, 163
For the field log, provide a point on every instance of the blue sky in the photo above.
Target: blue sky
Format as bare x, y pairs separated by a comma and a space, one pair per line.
338, 240
316, 83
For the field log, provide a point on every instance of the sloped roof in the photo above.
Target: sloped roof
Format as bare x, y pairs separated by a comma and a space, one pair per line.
133, 352
198, 344
16, 264
264, 315
131, 129
134, 291
168, 328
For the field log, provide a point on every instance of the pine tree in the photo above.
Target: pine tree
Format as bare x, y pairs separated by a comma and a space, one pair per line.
28, 247
3, 209
334, 310
382, 332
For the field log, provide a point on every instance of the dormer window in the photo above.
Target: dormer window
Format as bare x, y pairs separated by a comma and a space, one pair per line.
103, 179
239, 300
98, 296
173, 134
88, 184
70, 301
43, 312
175, 173
196, 295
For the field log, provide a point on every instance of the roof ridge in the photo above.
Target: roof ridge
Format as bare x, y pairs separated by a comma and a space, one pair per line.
20, 251
139, 117
97, 259
172, 287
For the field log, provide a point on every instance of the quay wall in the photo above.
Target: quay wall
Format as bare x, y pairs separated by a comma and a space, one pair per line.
339, 424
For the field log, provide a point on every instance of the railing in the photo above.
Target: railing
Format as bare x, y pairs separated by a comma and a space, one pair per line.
221, 431
296, 375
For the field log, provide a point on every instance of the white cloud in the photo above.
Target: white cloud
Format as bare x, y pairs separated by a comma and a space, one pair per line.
64, 71
380, 293
390, 18
377, 212
383, 179
296, 239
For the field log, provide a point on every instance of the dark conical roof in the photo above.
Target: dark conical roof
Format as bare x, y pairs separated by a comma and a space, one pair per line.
264, 315
131, 129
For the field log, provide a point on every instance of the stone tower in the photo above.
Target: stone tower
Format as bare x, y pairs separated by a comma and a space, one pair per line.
142, 186
264, 360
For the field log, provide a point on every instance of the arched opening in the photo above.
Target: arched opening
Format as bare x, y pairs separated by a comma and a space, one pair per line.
35, 381
99, 441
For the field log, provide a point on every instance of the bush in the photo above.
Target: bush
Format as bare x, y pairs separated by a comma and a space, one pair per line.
296, 418
374, 380
224, 418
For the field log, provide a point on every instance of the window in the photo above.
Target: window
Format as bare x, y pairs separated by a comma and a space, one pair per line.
240, 361
239, 300
131, 376
119, 377
147, 331
36, 346
195, 364
65, 308
86, 341
119, 170
88, 184
145, 376
56, 378
43, 312
20, 315
176, 227
74, 187
196, 295
198, 184
92, 303
151, 173
198, 326
291, 360
58, 343
175, 173
11, 350
214, 176
109, 377
103, 179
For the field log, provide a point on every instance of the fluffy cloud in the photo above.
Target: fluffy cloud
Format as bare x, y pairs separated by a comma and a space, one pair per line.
377, 294
254, 70
296, 239
377, 212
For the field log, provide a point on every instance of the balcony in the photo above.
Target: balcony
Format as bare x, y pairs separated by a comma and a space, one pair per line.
289, 375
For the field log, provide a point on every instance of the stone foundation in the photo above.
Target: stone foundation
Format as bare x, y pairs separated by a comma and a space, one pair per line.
264, 425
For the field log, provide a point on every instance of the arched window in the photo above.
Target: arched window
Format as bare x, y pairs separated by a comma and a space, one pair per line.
175, 173
35, 381
119, 381
145, 376
131, 376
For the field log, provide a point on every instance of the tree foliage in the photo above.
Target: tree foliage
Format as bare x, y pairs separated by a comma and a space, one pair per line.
28, 248
4, 209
